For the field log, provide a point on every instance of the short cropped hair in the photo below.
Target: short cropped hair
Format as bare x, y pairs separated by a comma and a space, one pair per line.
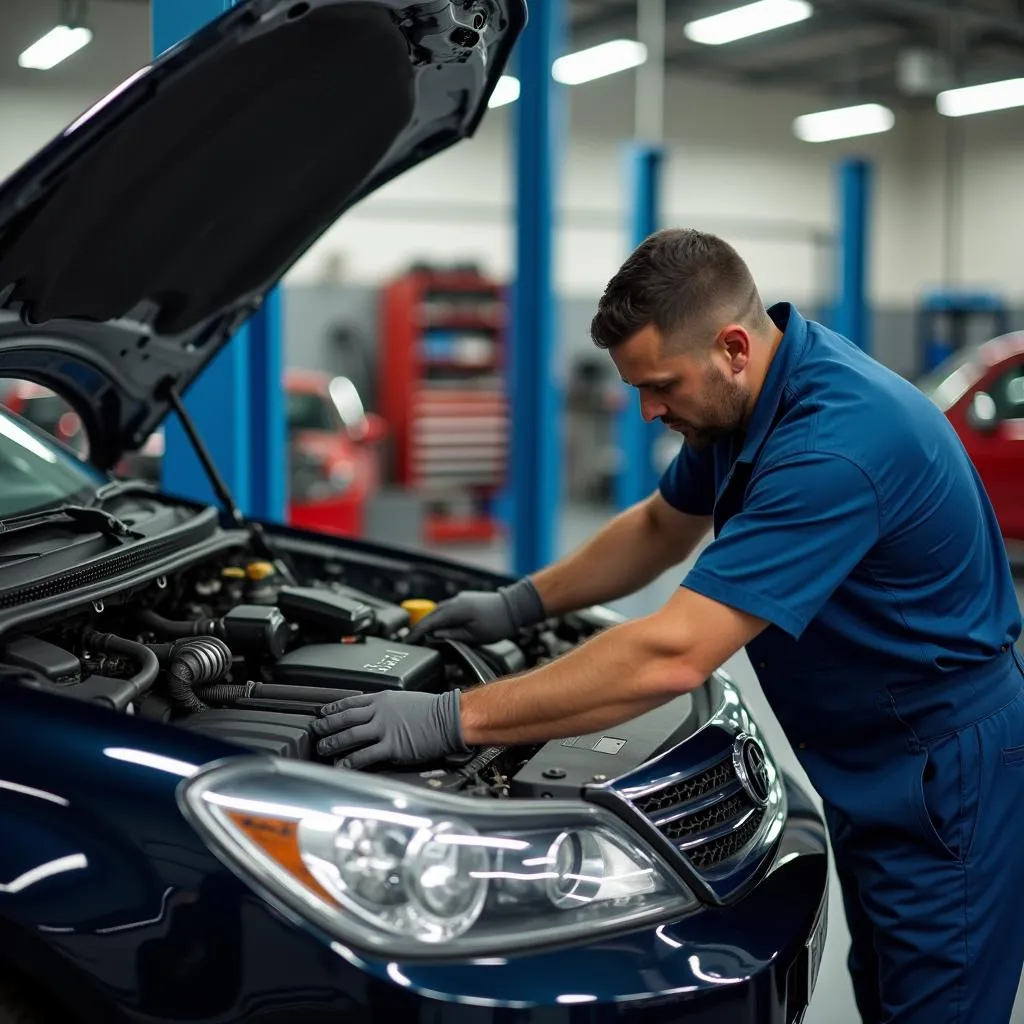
677, 278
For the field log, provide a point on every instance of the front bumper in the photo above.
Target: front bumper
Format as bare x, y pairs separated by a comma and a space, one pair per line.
161, 931
215, 950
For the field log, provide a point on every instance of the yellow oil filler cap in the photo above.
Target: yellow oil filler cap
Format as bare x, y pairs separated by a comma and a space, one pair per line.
259, 570
418, 608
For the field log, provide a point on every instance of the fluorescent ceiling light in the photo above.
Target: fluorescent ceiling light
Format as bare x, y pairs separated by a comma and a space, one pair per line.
598, 61
57, 45
506, 91
844, 123
977, 99
749, 20
576, 68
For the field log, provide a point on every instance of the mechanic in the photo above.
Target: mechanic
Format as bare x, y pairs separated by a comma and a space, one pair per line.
857, 559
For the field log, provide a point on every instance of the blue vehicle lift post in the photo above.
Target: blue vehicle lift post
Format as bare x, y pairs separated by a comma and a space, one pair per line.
536, 443
637, 475
852, 317
237, 403
947, 321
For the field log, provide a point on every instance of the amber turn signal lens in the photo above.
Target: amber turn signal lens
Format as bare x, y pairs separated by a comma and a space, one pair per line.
279, 839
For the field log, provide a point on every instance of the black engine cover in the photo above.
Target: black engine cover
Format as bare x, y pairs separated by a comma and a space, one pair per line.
264, 732
561, 768
369, 666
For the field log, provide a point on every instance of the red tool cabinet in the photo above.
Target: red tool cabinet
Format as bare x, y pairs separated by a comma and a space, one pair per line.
443, 391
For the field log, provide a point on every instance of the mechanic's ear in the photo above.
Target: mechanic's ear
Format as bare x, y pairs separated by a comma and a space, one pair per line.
735, 343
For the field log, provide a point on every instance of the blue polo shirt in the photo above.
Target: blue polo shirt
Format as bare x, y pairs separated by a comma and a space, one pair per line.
850, 517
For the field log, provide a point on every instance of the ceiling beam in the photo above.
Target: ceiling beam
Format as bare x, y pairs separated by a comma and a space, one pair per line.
876, 79
619, 17
966, 15
865, 62
609, 15
832, 24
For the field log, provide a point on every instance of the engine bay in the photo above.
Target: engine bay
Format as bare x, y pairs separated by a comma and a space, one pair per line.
249, 651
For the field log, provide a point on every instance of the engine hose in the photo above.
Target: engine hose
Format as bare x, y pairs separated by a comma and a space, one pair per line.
483, 760
195, 662
149, 665
175, 628
216, 660
226, 693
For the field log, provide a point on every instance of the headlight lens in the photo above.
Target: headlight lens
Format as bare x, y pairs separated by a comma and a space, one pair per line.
387, 867
315, 479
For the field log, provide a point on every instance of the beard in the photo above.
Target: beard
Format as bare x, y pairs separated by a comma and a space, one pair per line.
722, 412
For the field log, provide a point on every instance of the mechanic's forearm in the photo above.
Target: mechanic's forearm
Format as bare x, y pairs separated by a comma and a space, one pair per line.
617, 675
627, 554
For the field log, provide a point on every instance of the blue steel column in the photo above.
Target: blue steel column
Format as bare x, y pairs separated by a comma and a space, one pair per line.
852, 318
245, 435
536, 422
637, 476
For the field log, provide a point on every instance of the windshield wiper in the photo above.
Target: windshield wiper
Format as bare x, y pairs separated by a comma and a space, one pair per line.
90, 519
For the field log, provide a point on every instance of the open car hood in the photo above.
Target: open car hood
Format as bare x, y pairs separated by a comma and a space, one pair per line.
140, 239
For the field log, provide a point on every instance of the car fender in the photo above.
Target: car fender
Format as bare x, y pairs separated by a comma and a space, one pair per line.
100, 874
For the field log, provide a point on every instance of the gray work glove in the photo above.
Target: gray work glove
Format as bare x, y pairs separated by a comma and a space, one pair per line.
394, 726
482, 617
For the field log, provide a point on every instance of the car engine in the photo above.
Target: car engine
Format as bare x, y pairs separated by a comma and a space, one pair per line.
249, 651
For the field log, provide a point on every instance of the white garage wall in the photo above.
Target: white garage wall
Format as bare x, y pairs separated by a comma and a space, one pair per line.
993, 208
986, 215
739, 172
30, 118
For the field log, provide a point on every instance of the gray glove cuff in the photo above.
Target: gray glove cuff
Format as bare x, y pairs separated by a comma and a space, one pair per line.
525, 607
449, 721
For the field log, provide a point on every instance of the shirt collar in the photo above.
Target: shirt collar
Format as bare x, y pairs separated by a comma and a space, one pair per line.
787, 356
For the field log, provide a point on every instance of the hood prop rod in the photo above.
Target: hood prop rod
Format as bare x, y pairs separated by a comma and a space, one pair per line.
255, 530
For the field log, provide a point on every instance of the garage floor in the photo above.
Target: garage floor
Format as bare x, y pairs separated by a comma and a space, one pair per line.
833, 1001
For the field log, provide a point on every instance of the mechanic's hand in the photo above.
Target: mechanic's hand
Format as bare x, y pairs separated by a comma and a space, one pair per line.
482, 617
394, 726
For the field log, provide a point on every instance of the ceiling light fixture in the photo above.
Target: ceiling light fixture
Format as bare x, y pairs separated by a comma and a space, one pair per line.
980, 99
576, 68
598, 61
749, 20
843, 123
58, 44
506, 91
64, 39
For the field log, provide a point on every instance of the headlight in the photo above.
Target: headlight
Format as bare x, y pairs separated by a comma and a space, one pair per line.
315, 479
390, 868
341, 476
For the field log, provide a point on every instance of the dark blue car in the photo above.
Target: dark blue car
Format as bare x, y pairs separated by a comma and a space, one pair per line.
172, 850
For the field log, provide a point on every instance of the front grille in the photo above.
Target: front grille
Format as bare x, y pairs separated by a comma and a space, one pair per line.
709, 817
713, 817
712, 854
684, 792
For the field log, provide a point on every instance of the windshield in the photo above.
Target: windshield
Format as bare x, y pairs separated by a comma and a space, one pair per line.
36, 473
952, 378
310, 411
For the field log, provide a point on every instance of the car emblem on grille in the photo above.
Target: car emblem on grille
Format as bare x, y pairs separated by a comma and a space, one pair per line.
751, 764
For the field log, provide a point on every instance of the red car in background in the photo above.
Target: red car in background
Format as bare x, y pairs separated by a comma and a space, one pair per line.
46, 410
334, 460
334, 453
981, 389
